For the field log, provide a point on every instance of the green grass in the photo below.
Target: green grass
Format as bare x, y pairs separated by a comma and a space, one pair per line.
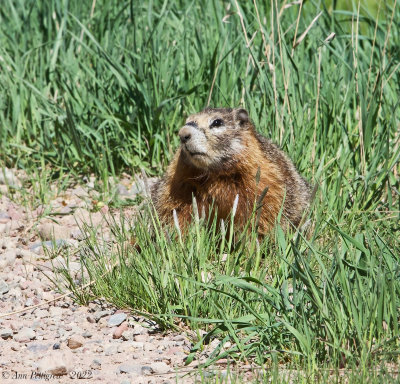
103, 87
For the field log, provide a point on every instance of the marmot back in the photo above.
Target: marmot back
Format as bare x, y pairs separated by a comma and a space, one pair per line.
219, 157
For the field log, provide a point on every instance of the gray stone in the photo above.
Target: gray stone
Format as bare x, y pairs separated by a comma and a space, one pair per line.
6, 333
146, 370
38, 246
100, 314
130, 368
35, 348
4, 217
127, 335
112, 350
160, 368
96, 364
3, 287
117, 319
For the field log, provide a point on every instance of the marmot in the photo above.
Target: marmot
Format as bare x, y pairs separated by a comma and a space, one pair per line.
222, 156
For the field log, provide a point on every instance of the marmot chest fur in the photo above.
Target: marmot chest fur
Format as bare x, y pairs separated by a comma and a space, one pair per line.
219, 158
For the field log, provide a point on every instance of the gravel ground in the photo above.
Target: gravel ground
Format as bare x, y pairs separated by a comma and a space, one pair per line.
61, 341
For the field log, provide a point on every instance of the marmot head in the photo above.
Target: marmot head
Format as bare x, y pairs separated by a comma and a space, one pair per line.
212, 138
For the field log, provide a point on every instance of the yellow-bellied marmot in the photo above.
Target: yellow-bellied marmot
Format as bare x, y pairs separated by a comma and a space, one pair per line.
219, 158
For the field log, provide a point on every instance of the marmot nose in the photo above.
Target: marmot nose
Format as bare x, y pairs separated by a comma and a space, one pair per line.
185, 134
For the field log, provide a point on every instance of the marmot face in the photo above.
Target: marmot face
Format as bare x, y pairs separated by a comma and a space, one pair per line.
211, 138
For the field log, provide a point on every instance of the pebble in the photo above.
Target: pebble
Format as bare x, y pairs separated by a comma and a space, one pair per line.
146, 370
160, 368
3, 287
112, 350
141, 338
55, 311
49, 231
58, 363
116, 319
38, 247
96, 364
130, 368
119, 331
4, 217
6, 333
127, 335
75, 341
35, 348
87, 334
25, 334
100, 314
28, 302
56, 346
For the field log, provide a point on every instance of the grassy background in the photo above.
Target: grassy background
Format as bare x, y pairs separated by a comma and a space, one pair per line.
103, 87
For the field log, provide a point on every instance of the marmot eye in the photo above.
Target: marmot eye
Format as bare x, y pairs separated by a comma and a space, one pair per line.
217, 123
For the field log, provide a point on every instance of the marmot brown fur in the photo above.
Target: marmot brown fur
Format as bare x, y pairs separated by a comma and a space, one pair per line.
219, 158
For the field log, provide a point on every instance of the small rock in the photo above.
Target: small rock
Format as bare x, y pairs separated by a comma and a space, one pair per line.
179, 338
47, 296
28, 302
90, 319
146, 370
77, 234
120, 330
137, 345
4, 217
141, 338
56, 346
3, 287
6, 333
139, 330
57, 363
35, 348
160, 368
25, 334
48, 231
127, 335
116, 319
130, 368
75, 341
149, 346
96, 364
7, 258
55, 311
112, 350
100, 314
38, 247
87, 335
41, 313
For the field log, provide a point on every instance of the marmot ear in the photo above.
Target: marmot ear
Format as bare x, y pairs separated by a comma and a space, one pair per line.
242, 116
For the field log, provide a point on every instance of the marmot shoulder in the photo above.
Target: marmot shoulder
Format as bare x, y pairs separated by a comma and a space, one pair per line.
222, 156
